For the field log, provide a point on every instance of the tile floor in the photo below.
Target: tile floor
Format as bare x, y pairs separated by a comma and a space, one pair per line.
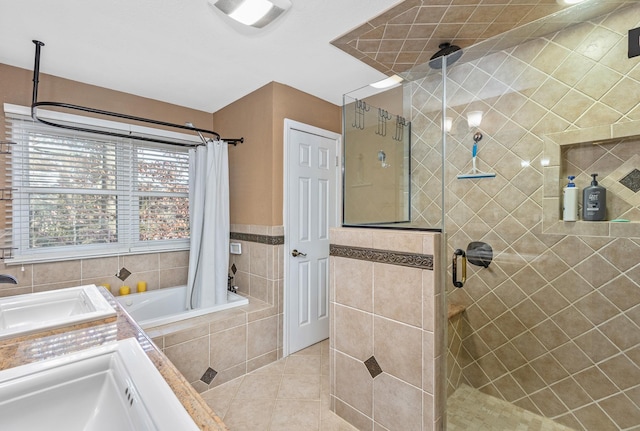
470, 409
291, 394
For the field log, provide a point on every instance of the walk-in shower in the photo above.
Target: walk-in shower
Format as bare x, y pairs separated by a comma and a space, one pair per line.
550, 330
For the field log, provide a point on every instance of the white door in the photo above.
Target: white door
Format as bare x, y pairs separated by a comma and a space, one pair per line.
311, 208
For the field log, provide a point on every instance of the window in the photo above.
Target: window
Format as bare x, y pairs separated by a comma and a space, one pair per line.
77, 194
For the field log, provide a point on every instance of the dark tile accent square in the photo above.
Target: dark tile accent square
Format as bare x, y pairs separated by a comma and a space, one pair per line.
123, 273
632, 181
234, 269
209, 375
373, 367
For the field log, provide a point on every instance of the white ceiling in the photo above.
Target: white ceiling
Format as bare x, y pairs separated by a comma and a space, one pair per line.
184, 51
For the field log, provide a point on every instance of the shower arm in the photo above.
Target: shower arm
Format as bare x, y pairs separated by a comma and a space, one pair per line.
35, 104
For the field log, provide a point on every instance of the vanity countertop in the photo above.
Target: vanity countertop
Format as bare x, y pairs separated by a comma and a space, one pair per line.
48, 344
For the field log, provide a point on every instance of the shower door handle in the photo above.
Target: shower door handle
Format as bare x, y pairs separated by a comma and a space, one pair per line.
454, 269
296, 253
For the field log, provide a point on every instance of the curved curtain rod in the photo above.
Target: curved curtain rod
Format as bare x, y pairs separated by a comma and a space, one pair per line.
35, 104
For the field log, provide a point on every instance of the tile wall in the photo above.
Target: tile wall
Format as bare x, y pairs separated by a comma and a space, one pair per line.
260, 269
386, 339
553, 325
213, 350
159, 270
219, 347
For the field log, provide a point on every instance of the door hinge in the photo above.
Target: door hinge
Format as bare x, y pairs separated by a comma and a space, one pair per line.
337, 161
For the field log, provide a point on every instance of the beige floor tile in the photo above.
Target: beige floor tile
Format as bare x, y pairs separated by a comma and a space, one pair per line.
249, 415
316, 349
303, 364
296, 415
291, 394
274, 368
257, 386
300, 387
220, 397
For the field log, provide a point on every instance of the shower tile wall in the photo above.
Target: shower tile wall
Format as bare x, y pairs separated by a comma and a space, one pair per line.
386, 352
553, 325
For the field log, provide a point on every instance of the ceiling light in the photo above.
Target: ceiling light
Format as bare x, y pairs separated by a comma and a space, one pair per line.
568, 2
387, 82
255, 13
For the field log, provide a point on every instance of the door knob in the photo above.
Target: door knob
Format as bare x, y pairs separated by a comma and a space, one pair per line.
296, 253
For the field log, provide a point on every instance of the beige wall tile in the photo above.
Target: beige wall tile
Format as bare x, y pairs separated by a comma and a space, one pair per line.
182, 336
56, 272
398, 293
352, 237
101, 267
397, 405
259, 288
228, 348
353, 416
173, 277
260, 259
430, 312
353, 283
398, 350
190, 358
141, 262
262, 337
354, 384
173, 259
397, 241
355, 334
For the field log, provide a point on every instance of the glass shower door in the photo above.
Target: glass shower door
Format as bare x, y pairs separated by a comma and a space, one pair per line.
551, 327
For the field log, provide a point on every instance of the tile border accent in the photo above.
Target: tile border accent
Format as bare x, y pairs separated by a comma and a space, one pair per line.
422, 261
261, 239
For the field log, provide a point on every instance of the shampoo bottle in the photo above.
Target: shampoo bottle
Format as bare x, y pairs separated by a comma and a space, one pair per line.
570, 201
594, 201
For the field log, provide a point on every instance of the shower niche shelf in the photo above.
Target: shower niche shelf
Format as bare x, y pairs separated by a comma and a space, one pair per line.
561, 148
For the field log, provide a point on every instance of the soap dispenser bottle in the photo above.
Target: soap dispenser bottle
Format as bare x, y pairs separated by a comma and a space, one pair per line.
570, 201
594, 201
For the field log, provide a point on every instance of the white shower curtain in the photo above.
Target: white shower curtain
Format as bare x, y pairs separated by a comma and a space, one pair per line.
209, 220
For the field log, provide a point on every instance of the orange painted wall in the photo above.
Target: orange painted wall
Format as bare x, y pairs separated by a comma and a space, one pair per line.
16, 87
256, 167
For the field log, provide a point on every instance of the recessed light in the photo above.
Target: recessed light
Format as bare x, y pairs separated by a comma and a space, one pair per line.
387, 82
250, 11
254, 13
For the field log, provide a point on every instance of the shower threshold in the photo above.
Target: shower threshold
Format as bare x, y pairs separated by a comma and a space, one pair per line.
468, 408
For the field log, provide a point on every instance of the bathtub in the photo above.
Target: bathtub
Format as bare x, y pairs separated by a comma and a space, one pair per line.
160, 307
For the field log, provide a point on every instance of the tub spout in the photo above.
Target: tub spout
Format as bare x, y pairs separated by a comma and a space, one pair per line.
6, 278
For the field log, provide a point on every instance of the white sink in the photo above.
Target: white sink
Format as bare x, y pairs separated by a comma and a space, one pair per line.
111, 387
33, 312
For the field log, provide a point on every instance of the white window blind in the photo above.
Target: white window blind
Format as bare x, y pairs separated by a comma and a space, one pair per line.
77, 194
